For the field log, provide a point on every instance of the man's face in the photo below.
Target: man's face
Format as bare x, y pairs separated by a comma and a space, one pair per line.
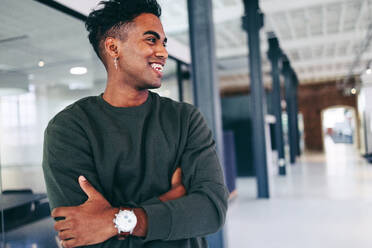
142, 55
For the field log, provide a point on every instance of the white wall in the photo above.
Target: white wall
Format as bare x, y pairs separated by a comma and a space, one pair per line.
365, 111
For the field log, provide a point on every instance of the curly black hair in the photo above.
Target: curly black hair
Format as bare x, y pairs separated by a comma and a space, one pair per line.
115, 14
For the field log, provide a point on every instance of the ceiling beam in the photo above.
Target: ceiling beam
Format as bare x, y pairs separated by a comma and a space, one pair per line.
319, 40
289, 19
363, 11
220, 15
324, 20
342, 17
327, 61
301, 43
307, 17
341, 73
82, 6
274, 6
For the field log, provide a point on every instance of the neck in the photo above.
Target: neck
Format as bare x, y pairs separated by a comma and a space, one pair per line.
120, 94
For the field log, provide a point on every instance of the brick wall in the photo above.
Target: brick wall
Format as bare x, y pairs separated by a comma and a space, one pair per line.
312, 100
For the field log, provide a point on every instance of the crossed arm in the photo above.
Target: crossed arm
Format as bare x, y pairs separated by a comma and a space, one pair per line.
91, 222
165, 218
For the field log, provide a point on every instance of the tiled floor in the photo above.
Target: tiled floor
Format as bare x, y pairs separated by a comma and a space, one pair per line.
325, 201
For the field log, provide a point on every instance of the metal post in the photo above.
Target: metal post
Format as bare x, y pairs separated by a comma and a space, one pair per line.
180, 81
274, 55
204, 78
288, 81
295, 99
252, 23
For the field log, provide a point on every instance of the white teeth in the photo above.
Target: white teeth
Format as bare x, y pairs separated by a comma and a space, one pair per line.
157, 67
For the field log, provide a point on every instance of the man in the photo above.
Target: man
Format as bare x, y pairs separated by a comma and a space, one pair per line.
117, 165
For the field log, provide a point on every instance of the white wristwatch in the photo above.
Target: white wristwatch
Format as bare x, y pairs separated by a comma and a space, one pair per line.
125, 221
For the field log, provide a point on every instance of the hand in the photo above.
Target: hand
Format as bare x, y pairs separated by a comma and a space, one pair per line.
86, 224
177, 189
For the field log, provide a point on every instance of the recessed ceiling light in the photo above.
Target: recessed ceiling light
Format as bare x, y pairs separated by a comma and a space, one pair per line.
369, 71
41, 63
78, 70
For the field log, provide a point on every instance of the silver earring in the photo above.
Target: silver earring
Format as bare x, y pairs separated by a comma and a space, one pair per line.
116, 62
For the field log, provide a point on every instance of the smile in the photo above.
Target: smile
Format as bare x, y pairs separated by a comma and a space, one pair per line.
157, 67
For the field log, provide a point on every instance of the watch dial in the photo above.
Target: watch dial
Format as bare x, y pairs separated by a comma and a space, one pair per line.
126, 220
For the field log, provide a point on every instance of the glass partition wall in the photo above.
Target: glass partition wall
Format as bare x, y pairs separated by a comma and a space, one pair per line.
39, 48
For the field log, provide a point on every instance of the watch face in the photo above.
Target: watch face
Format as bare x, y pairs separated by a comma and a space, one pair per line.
126, 220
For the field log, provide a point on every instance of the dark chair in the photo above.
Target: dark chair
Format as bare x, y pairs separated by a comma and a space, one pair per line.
17, 216
42, 210
17, 191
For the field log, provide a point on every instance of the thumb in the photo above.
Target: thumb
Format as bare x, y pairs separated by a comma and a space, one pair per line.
88, 189
177, 177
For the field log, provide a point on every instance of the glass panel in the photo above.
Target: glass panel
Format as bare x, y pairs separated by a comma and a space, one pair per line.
38, 46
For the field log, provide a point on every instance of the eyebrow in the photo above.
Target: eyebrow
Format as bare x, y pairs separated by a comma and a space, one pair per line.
155, 34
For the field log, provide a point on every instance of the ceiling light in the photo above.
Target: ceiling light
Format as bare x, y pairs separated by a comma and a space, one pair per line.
78, 70
369, 71
353, 91
41, 63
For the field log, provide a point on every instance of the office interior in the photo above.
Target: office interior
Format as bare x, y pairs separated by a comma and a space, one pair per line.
313, 184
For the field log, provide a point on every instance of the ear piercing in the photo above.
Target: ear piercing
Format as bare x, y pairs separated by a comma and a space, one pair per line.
116, 62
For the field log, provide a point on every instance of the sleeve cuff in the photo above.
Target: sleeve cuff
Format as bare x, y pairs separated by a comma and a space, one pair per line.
158, 221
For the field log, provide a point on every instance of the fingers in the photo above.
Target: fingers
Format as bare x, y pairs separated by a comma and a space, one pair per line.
177, 177
61, 212
89, 190
67, 234
174, 193
63, 225
181, 191
69, 243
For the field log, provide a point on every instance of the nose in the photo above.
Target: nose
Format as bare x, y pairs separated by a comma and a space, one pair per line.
161, 52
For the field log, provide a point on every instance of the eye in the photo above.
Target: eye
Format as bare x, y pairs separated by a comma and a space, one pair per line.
151, 39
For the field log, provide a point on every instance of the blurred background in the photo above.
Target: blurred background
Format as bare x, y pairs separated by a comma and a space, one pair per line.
308, 185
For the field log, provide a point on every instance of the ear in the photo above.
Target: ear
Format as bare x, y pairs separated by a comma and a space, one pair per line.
111, 47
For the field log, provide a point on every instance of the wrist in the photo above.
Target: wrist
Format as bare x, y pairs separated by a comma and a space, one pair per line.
111, 227
140, 230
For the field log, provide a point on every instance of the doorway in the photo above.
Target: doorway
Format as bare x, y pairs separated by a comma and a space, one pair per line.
339, 128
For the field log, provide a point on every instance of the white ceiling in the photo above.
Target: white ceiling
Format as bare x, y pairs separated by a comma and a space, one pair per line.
322, 38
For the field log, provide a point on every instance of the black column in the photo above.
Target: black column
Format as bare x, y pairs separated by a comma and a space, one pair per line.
274, 55
180, 81
204, 78
291, 111
295, 98
252, 23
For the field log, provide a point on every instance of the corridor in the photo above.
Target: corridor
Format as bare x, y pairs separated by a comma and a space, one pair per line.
324, 201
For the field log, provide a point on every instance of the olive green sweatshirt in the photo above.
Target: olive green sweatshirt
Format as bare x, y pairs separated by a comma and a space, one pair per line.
129, 155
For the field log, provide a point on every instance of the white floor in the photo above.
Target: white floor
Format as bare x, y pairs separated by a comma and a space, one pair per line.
325, 201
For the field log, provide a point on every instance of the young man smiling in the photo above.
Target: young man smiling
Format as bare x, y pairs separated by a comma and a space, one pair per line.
117, 166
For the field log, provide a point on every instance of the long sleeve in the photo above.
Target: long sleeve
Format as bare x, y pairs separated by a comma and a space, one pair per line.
129, 156
66, 156
202, 211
